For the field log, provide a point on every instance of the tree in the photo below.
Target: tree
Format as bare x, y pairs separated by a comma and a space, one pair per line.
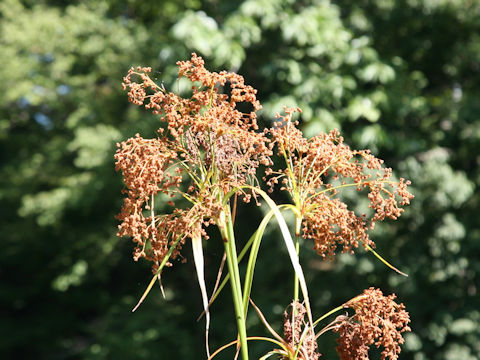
396, 77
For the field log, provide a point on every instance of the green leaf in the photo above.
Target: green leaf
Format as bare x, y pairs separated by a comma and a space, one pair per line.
255, 241
199, 266
290, 248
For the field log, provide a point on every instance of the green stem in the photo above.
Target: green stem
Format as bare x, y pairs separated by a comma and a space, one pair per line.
385, 261
254, 244
247, 286
226, 228
328, 314
298, 223
333, 188
295, 278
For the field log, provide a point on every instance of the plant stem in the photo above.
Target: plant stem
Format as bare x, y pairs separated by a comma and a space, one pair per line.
295, 278
226, 228
298, 223
328, 314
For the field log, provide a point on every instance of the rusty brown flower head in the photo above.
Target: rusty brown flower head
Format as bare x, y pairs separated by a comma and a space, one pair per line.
378, 320
207, 148
294, 325
317, 169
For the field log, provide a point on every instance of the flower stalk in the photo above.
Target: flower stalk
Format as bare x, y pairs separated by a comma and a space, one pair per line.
226, 229
298, 224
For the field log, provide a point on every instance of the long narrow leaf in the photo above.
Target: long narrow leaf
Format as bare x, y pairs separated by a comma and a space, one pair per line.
247, 285
219, 277
254, 239
160, 268
227, 276
257, 238
159, 277
199, 266
385, 261
290, 247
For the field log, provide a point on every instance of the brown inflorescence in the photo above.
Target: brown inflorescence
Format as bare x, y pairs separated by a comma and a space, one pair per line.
329, 223
207, 140
378, 320
294, 325
317, 169
208, 123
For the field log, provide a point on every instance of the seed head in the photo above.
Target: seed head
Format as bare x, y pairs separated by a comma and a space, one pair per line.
316, 171
206, 148
378, 321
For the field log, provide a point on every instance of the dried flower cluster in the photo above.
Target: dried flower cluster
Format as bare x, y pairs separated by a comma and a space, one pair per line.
378, 321
206, 138
312, 168
206, 150
294, 326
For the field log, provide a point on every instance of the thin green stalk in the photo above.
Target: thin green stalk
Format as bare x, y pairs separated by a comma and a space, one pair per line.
289, 163
290, 248
295, 278
328, 314
247, 286
385, 261
300, 343
226, 227
333, 188
257, 238
227, 276
254, 243
298, 223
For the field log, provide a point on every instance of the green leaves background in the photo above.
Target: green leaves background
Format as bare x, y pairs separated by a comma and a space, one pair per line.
399, 77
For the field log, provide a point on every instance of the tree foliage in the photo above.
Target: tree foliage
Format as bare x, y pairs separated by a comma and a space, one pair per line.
398, 77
